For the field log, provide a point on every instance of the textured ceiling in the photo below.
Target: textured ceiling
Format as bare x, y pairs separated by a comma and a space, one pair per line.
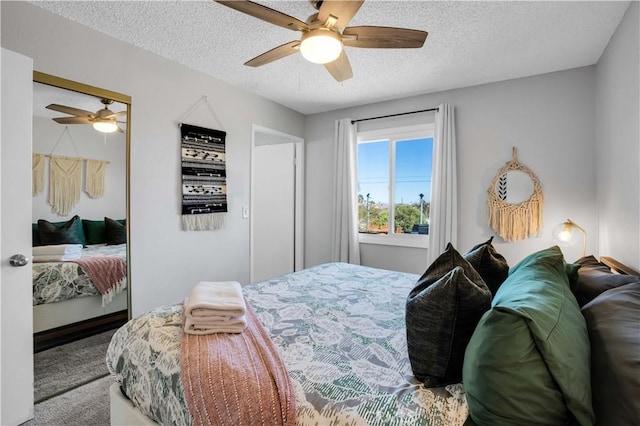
469, 43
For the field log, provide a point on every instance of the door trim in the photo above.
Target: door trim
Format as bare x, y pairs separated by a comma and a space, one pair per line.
298, 197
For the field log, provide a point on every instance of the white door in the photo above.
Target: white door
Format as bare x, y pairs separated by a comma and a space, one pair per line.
276, 204
16, 321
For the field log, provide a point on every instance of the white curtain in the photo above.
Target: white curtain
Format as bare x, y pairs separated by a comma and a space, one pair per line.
443, 223
344, 244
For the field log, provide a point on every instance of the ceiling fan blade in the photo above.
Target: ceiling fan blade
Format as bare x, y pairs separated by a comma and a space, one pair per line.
266, 14
340, 69
274, 54
116, 114
119, 130
71, 110
383, 37
343, 11
72, 120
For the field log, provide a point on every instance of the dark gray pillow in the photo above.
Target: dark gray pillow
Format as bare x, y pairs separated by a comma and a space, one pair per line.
442, 312
613, 323
595, 278
69, 232
491, 265
115, 232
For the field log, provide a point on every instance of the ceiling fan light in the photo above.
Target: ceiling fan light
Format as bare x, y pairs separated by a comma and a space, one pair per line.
321, 46
105, 126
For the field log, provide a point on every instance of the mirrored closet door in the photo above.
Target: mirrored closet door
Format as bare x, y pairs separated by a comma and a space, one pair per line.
80, 170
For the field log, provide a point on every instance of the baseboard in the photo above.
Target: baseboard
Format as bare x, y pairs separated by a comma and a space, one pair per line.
60, 335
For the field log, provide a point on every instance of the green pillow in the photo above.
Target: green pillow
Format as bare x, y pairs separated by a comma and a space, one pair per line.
69, 232
528, 361
95, 231
115, 231
35, 235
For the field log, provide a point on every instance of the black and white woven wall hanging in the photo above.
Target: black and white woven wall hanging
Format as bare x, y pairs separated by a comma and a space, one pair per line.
204, 178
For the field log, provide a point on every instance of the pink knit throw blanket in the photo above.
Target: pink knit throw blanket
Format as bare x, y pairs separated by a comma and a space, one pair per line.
236, 379
107, 273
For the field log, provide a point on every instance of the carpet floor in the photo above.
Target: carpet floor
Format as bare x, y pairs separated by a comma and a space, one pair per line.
63, 368
87, 405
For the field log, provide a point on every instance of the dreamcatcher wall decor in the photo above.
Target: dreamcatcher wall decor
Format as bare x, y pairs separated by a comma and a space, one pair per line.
519, 216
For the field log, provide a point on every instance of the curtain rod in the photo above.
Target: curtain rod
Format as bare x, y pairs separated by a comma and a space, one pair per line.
394, 115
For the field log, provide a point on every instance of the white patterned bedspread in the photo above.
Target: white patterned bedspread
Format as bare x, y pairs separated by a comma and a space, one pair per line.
340, 330
57, 281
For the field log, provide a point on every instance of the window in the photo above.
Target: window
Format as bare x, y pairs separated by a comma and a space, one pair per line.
394, 185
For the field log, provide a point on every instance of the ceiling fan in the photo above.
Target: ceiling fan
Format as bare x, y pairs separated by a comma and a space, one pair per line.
325, 33
103, 120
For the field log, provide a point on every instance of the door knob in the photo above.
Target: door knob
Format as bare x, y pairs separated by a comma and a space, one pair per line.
18, 260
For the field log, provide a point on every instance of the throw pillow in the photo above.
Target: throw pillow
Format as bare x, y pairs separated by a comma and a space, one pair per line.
595, 277
35, 235
613, 322
491, 265
95, 231
529, 357
116, 232
69, 232
441, 313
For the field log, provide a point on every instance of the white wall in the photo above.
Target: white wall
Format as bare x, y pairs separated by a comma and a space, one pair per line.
618, 142
165, 261
549, 118
88, 144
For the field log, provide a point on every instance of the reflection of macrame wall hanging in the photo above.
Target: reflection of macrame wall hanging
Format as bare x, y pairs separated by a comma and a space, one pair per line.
94, 184
515, 221
64, 183
65, 174
37, 173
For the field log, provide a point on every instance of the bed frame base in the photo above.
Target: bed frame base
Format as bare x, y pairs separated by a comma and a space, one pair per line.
69, 333
123, 413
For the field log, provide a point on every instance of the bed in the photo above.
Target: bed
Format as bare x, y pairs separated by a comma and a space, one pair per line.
340, 330
73, 291
63, 293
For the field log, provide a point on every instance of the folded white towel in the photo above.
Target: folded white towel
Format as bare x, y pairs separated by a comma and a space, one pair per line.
237, 325
215, 299
56, 258
57, 249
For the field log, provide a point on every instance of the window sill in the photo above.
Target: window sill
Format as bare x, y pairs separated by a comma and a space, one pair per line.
399, 240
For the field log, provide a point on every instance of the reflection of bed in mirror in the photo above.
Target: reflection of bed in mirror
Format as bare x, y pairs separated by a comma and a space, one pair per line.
67, 304
65, 293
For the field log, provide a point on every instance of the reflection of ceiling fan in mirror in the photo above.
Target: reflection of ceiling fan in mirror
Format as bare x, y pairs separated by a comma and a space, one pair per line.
103, 120
325, 33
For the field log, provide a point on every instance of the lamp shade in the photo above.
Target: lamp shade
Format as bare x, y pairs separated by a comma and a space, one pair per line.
321, 46
569, 233
105, 126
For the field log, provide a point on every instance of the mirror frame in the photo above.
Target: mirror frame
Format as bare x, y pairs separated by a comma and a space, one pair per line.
63, 83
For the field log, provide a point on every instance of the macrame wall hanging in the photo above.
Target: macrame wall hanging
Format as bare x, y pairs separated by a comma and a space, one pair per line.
37, 173
65, 175
94, 181
514, 221
204, 175
64, 184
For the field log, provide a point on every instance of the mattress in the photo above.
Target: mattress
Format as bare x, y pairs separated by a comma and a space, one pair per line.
57, 281
340, 330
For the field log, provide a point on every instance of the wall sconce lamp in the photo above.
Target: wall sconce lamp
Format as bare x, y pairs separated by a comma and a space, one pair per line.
566, 234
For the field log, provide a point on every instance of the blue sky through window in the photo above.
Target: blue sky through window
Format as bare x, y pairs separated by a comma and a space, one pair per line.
413, 170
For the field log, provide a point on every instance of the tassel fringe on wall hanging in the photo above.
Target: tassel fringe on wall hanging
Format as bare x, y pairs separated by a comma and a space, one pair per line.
515, 221
204, 178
